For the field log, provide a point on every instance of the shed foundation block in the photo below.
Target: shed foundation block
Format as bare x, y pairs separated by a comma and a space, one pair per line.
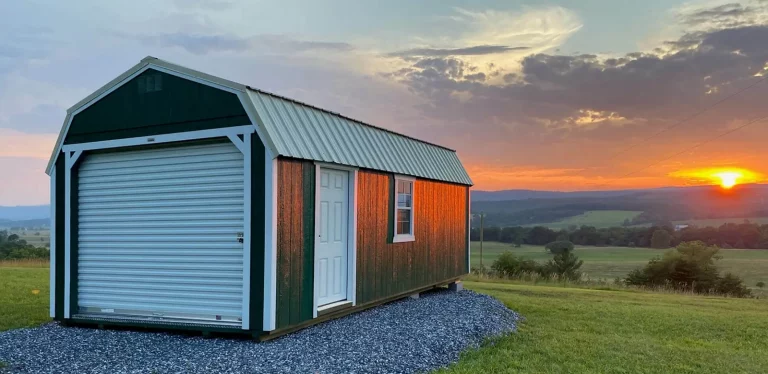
456, 286
414, 296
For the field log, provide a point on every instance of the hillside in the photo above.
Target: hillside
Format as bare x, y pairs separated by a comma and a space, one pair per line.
655, 205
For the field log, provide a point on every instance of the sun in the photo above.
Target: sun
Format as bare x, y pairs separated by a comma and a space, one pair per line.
728, 179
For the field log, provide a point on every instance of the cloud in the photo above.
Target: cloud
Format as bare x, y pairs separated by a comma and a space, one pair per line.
719, 15
30, 185
202, 44
18, 144
465, 51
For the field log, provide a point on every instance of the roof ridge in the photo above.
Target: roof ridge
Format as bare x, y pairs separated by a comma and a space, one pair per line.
347, 118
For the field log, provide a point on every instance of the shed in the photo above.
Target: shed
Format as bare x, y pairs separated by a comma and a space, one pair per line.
183, 200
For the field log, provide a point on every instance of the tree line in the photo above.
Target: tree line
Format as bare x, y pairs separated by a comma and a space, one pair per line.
730, 235
14, 248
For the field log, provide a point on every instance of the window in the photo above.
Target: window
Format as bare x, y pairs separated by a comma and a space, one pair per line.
403, 209
150, 83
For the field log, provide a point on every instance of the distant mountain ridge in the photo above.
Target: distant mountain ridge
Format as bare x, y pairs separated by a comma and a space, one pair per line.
522, 194
23, 213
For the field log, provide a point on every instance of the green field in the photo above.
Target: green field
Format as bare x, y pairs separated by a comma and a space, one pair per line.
612, 262
596, 218
570, 330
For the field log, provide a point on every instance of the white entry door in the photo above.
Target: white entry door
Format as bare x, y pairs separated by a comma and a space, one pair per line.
331, 240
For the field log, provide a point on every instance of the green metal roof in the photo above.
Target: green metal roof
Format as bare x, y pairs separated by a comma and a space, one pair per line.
303, 131
295, 129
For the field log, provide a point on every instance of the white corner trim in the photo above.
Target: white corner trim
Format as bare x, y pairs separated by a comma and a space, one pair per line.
164, 138
245, 147
270, 241
52, 247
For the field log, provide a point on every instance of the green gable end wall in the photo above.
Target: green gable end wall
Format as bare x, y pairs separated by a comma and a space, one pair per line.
178, 105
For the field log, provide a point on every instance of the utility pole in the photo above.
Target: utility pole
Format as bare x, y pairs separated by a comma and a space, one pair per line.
482, 228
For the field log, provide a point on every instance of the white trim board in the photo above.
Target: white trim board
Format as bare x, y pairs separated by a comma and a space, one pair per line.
52, 247
351, 235
270, 241
165, 138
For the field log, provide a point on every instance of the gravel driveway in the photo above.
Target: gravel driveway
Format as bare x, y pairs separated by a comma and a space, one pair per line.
411, 335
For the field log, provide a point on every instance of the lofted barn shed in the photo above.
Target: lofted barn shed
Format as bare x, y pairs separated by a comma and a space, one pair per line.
183, 200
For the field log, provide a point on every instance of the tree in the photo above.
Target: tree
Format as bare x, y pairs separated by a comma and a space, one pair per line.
566, 265
559, 246
760, 284
661, 239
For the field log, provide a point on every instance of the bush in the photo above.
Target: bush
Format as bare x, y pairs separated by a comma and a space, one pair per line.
511, 266
560, 246
690, 266
760, 285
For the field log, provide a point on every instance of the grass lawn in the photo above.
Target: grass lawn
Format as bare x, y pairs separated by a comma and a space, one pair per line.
20, 304
612, 262
596, 218
571, 330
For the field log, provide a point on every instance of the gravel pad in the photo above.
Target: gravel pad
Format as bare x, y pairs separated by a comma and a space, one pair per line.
411, 335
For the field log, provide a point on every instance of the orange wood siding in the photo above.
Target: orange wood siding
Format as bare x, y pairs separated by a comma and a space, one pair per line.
295, 244
439, 252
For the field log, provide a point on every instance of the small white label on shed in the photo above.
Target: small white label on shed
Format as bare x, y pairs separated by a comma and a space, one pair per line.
107, 310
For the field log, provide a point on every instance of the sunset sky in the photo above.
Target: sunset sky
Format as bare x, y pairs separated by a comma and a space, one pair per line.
555, 95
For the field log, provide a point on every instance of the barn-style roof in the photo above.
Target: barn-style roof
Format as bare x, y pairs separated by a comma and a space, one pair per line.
294, 129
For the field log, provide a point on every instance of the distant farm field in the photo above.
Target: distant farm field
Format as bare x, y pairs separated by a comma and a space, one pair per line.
596, 218
612, 262
38, 238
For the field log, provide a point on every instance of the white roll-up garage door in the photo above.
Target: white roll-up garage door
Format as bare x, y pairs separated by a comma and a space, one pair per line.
160, 234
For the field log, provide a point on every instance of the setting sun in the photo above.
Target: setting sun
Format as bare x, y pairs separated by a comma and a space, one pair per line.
728, 179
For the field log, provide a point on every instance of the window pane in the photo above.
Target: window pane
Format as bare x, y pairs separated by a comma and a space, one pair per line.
404, 228
403, 224
403, 201
400, 186
408, 187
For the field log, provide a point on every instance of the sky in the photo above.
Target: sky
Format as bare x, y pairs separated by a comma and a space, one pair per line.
550, 95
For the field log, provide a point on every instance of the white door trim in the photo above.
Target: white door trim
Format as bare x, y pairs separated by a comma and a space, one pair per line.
73, 152
351, 231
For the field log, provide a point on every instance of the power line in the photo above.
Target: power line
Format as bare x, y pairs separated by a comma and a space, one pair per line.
684, 120
686, 150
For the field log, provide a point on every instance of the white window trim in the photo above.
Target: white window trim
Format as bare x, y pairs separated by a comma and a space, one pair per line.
404, 238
